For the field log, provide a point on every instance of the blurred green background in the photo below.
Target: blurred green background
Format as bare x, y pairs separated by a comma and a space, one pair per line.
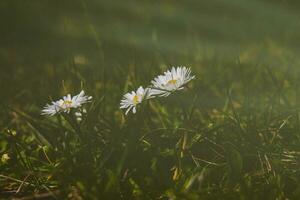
244, 102
105, 38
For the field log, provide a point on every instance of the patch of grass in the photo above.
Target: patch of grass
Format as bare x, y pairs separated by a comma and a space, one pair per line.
233, 133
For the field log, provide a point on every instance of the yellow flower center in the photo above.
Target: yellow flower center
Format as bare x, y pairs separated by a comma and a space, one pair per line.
135, 99
67, 102
172, 81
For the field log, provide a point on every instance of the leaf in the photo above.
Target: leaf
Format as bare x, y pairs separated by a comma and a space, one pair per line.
235, 162
39, 136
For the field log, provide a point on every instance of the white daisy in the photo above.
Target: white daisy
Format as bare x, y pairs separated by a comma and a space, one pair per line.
51, 109
66, 103
171, 80
131, 100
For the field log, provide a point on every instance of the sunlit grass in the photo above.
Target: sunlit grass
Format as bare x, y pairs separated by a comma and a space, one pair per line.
231, 133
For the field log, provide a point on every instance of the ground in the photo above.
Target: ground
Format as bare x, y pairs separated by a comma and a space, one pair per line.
232, 133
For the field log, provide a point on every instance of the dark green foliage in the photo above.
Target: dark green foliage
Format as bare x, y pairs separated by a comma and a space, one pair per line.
233, 133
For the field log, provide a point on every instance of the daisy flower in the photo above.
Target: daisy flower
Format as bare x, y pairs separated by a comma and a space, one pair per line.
66, 103
171, 80
51, 109
131, 100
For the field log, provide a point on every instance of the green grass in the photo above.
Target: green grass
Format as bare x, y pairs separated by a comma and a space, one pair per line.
233, 133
